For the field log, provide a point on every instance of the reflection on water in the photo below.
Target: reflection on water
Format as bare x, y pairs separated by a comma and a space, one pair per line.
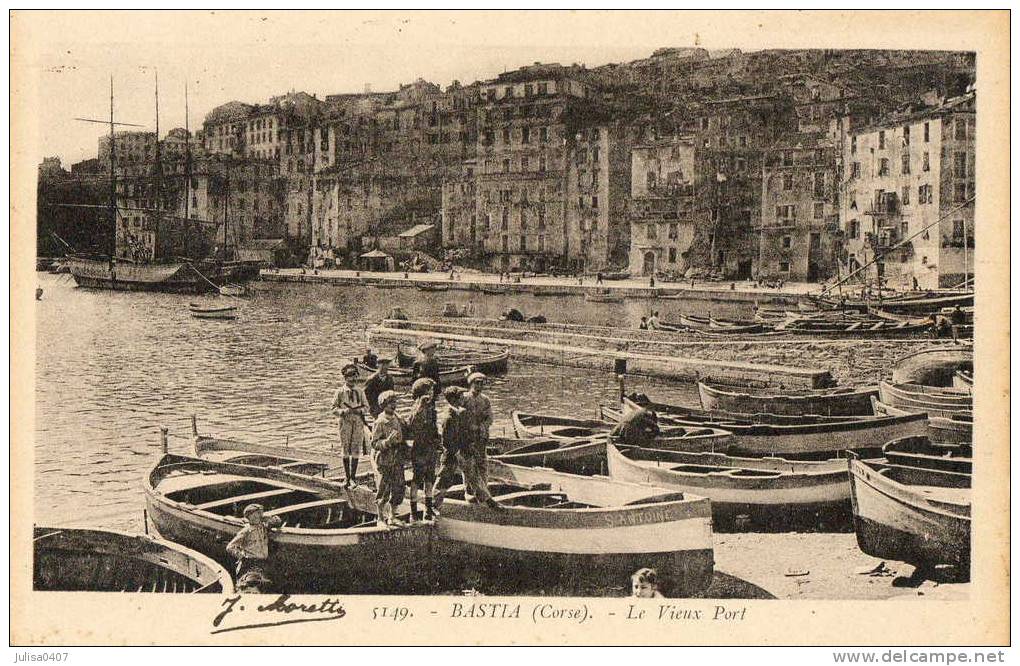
111, 368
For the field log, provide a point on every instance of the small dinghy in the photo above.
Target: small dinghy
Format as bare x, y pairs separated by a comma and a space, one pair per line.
955, 428
69, 559
221, 312
402, 376
581, 455
485, 361
737, 484
919, 516
603, 296
922, 452
931, 400
839, 401
679, 436
578, 535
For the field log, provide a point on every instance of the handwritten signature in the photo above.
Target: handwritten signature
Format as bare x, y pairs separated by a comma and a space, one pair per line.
292, 613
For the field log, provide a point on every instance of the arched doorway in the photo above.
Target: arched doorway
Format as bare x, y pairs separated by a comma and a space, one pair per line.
648, 265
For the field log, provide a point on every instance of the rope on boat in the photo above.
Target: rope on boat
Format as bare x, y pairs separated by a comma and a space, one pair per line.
211, 283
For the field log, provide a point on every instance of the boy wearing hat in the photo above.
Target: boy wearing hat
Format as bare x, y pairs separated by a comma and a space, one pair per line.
251, 547
426, 364
378, 382
424, 433
456, 458
388, 454
350, 406
478, 413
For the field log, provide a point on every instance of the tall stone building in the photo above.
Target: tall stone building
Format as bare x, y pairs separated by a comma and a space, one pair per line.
907, 205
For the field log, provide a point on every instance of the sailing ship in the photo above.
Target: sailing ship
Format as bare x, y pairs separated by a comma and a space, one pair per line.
160, 274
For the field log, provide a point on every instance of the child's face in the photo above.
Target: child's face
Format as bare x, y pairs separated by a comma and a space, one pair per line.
390, 407
642, 589
254, 517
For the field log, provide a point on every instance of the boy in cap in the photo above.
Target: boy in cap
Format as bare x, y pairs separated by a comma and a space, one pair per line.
251, 547
456, 458
350, 406
388, 454
426, 364
424, 433
378, 382
478, 413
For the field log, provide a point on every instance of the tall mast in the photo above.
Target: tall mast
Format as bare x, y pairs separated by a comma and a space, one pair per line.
226, 206
159, 182
113, 182
187, 177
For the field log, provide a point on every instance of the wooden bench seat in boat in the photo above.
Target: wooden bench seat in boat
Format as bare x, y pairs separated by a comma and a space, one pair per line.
250, 497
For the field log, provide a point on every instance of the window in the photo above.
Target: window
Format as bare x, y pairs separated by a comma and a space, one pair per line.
543, 134
594, 202
855, 169
526, 135
958, 230
506, 219
924, 194
787, 242
926, 132
787, 158
959, 192
786, 212
541, 243
506, 243
853, 145
506, 136
784, 266
543, 88
524, 164
853, 229
650, 179
819, 190
672, 255
883, 167
906, 136
881, 140
905, 163
742, 142
819, 210
650, 233
541, 164
524, 243
925, 166
905, 195
741, 165
506, 166
529, 90
580, 201
960, 165
595, 154
788, 181
961, 129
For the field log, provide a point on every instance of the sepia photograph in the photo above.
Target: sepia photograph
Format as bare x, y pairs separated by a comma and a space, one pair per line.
349, 317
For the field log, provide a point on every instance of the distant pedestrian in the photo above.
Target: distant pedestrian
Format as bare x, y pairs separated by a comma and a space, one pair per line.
598, 278
351, 407
369, 359
423, 430
651, 281
692, 283
917, 287
388, 455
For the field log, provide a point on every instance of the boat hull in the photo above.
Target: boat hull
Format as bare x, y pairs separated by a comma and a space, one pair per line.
893, 522
174, 278
849, 403
916, 398
933, 367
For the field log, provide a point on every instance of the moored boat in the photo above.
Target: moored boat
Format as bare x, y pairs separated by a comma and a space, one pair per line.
216, 312
70, 559
681, 436
855, 328
123, 275
199, 503
581, 455
603, 296
922, 452
954, 428
713, 325
837, 401
447, 376
485, 361
933, 367
779, 435
934, 401
426, 286
919, 516
580, 535
735, 483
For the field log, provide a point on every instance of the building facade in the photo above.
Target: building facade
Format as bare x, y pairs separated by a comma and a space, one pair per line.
907, 209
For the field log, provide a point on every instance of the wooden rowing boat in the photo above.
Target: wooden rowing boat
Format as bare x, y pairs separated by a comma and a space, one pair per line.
603, 296
198, 503
922, 452
933, 367
220, 312
838, 401
386, 284
581, 455
963, 379
780, 435
913, 303
736, 484
912, 515
69, 559
712, 325
681, 436
873, 328
954, 428
403, 376
433, 287
934, 401
579, 535
485, 361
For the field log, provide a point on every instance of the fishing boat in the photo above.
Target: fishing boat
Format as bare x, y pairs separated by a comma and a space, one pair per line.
837, 401
681, 436
919, 303
737, 484
872, 328
235, 290
954, 428
919, 516
603, 296
934, 401
485, 361
69, 559
199, 503
494, 291
922, 452
218, 312
578, 455
933, 367
432, 287
779, 435
125, 275
403, 376
579, 535
713, 325
386, 284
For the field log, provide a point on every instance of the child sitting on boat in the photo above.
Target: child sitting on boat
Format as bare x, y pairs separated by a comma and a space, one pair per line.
251, 548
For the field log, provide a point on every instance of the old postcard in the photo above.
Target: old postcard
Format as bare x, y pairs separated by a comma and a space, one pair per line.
519, 327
